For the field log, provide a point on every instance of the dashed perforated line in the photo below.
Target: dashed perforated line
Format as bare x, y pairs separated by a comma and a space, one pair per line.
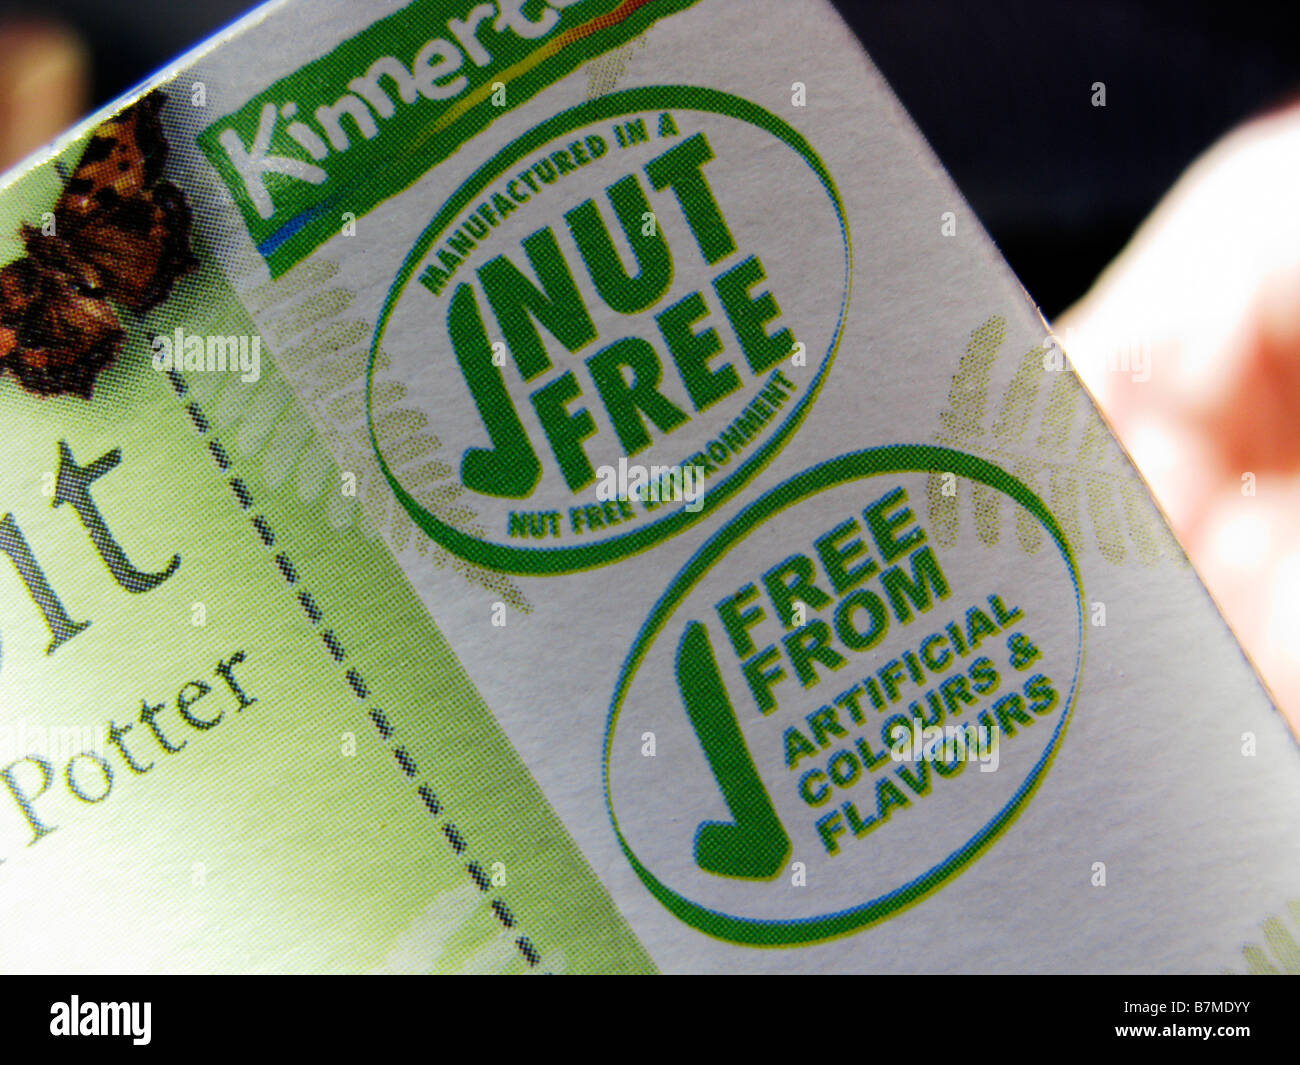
403, 758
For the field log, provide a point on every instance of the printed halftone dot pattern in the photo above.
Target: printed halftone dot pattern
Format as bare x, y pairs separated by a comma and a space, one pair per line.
361, 176
755, 844
1072, 461
321, 348
572, 923
117, 233
1279, 953
606, 71
320, 355
405, 762
759, 430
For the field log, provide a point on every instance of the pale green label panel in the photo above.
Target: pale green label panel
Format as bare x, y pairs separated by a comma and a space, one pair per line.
233, 739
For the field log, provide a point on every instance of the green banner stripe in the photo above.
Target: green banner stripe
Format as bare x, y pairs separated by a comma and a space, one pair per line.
364, 122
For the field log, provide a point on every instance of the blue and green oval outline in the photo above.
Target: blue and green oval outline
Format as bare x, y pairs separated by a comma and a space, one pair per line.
858, 465
556, 560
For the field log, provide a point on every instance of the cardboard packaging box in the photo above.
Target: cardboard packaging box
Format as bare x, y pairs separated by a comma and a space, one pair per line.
569, 486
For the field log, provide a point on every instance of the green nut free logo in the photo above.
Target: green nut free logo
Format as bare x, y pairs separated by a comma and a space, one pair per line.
614, 324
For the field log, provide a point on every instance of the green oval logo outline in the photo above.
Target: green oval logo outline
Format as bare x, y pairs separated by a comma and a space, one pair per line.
556, 560
857, 465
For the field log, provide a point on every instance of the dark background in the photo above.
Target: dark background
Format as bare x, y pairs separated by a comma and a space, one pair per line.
1002, 89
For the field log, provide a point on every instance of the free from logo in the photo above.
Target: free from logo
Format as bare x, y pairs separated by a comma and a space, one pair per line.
615, 289
828, 715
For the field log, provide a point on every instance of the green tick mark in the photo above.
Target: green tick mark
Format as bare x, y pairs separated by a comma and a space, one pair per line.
754, 845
